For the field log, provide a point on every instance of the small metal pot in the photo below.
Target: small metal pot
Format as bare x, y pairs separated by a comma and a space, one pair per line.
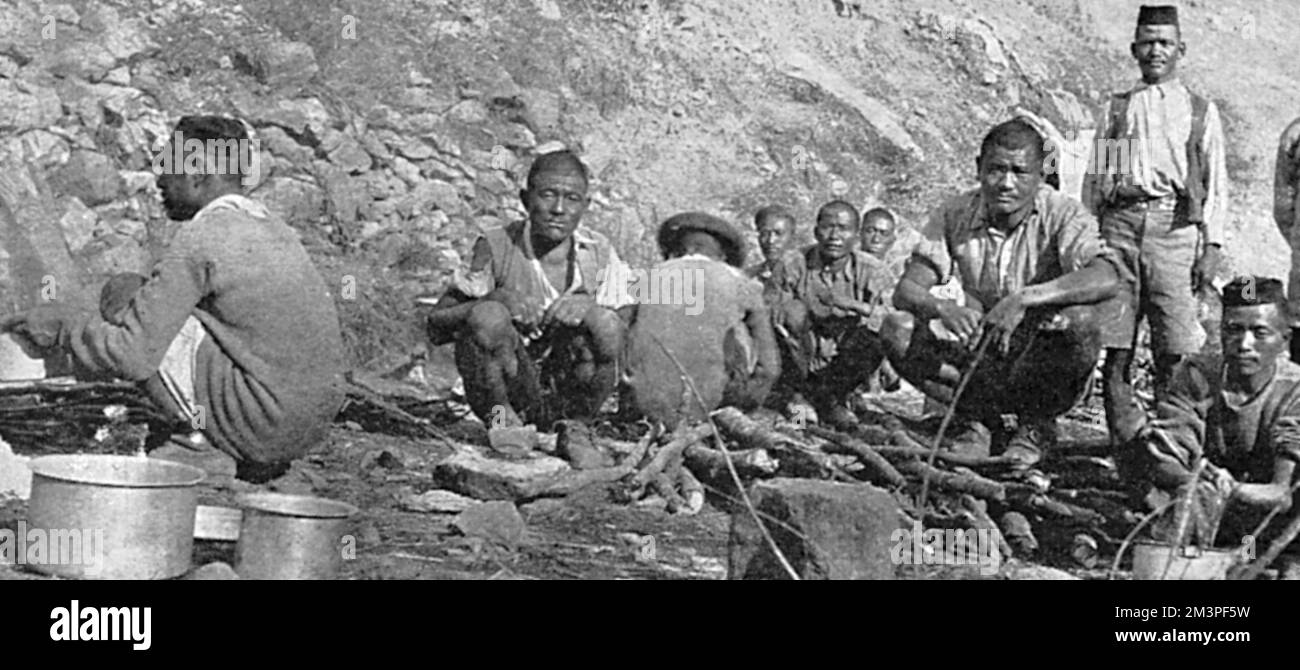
291, 537
112, 517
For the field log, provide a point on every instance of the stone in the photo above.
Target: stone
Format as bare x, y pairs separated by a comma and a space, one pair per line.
344, 195
497, 184
512, 440
375, 147
118, 76
542, 110
843, 531
294, 200
15, 475
415, 149
36, 147
437, 501
383, 186
26, 106
90, 176
350, 156
281, 144
469, 112
442, 195
78, 224
122, 38
281, 65
575, 443
216, 571
470, 473
497, 522
297, 116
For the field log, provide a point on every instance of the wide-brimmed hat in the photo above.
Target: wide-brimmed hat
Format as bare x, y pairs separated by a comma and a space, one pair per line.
672, 230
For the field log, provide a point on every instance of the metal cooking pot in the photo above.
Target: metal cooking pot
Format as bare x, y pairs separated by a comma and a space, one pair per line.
112, 517
291, 537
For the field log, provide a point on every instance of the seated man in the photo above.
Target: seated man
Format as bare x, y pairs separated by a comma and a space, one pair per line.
234, 332
720, 334
536, 308
1241, 413
834, 282
880, 238
775, 225
1034, 270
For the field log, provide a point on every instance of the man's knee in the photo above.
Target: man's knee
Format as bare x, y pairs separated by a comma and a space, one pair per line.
489, 324
896, 333
794, 316
606, 331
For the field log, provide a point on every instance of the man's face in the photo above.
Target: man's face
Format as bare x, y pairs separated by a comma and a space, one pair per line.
1009, 178
1157, 50
182, 194
1253, 337
773, 236
878, 235
555, 202
836, 233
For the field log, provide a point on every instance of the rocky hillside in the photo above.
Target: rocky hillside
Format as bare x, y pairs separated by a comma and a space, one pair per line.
391, 131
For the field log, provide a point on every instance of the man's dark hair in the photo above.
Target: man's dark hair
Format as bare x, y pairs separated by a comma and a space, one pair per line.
773, 212
839, 205
210, 128
560, 161
1014, 135
1253, 291
878, 213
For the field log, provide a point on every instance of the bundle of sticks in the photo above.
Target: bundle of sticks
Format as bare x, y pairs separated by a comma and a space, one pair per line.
83, 417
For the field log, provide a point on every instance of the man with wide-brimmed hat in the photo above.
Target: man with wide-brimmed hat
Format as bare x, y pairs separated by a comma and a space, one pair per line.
701, 336
1159, 186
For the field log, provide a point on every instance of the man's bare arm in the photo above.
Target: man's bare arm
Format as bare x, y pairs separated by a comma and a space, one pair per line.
1094, 282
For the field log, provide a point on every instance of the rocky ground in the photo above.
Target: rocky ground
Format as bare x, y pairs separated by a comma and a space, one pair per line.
391, 132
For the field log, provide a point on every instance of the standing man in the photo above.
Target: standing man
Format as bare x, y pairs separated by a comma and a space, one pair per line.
1035, 273
535, 312
234, 333
1160, 189
1286, 209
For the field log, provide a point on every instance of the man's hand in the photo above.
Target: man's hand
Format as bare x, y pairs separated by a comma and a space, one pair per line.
1206, 267
522, 312
845, 307
1003, 319
963, 321
39, 326
570, 309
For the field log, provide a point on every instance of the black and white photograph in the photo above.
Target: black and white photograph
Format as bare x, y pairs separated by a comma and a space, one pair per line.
915, 291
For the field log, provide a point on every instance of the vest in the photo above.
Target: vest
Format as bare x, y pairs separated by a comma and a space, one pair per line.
1196, 184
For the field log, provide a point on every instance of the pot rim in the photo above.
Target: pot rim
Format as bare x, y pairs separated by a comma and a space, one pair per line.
296, 506
56, 468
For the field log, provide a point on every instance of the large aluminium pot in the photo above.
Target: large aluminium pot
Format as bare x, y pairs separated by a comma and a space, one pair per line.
132, 517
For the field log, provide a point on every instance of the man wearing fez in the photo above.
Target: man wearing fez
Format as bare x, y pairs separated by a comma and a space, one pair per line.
1036, 275
1159, 187
1241, 413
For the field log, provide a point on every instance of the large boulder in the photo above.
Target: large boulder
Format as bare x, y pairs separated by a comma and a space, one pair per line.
826, 530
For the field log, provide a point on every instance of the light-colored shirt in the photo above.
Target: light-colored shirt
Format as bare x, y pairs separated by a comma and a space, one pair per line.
1158, 124
1286, 178
1057, 237
593, 265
